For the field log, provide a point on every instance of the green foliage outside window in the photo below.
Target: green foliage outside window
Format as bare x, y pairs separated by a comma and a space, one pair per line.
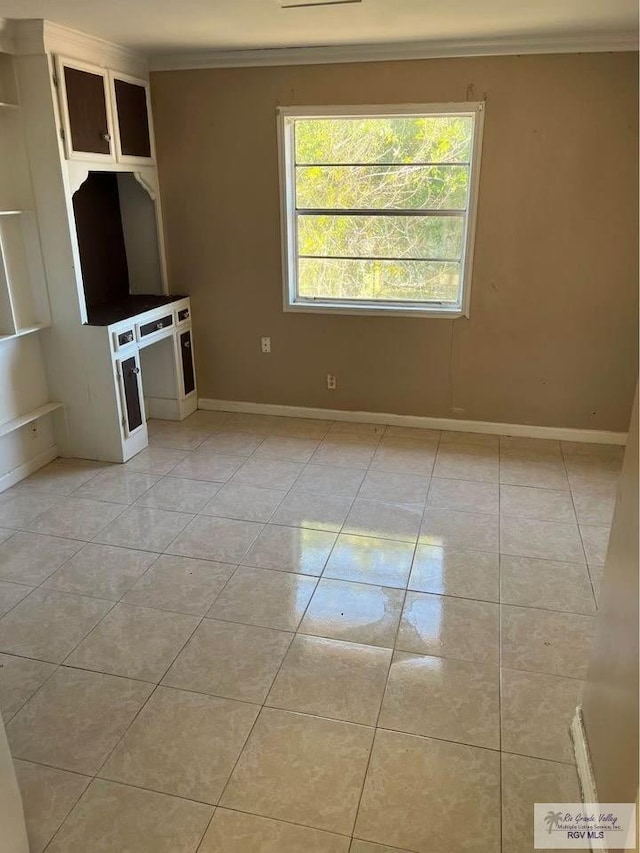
410, 165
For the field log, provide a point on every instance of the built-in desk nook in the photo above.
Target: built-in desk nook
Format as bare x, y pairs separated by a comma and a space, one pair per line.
148, 331
120, 345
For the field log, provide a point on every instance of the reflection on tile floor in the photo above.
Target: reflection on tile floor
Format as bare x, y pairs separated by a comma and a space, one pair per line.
280, 635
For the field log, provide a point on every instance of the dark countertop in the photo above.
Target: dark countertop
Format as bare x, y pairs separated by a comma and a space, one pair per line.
105, 315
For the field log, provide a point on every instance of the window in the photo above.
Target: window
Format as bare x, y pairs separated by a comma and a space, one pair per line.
379, 207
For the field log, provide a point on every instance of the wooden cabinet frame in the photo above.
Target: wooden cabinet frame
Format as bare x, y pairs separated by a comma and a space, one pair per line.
128, 371
109, 78
136, 81
62, 62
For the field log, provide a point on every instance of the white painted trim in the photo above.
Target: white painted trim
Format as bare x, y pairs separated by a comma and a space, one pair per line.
61, 63
17, 474
143, 83
327, 54
458, 108
286, 117
584, 767
17, 423
591, 436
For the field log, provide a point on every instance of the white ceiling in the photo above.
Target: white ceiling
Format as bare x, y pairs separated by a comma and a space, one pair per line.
163, 26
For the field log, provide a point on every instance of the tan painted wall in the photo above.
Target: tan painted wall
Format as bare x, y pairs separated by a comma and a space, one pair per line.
552, 334
610, 700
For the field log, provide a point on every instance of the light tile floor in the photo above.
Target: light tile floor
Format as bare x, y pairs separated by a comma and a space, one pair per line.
277, 635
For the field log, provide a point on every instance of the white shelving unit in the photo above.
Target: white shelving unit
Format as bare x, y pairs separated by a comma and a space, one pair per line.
24, 305
34, 415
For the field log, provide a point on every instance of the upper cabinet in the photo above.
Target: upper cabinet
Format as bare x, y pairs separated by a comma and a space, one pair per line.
105, 114
85, 110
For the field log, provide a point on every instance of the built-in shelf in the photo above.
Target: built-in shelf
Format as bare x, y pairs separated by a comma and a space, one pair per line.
24, 304
23, 420
28, 330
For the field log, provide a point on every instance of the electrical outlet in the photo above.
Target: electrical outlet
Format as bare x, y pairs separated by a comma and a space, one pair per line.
331, 382
265, 343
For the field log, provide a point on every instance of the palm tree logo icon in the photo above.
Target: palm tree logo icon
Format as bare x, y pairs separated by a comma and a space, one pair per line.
552, 819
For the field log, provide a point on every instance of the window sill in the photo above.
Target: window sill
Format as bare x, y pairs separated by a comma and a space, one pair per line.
372, 310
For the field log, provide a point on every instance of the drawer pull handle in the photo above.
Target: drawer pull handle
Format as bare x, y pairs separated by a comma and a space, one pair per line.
128, 337
187, 345
106, 137
160, 325
134, 371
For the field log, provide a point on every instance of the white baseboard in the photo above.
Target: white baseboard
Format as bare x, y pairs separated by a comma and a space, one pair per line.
583, 759
164, 410
586, 777
170, 409
14, 476
525, 430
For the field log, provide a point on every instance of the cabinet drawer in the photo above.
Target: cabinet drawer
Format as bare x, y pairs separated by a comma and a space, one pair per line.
122, 339
155, 326
183, 315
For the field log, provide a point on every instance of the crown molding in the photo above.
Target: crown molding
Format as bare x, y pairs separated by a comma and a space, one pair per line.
38, 36
602, 43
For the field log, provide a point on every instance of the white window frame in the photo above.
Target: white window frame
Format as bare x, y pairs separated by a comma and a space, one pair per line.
286, 117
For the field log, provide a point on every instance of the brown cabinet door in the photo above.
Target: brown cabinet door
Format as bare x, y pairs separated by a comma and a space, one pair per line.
133, 118
188, 375
87, 108
131, 392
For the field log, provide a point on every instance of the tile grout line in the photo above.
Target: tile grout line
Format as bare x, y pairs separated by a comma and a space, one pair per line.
144, 704
64, 819
575, 510
84, 542
294, 636
392, 655
158, 683
297, 632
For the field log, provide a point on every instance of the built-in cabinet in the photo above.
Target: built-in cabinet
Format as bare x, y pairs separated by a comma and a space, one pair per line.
105, 114
121, 347
154, 369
